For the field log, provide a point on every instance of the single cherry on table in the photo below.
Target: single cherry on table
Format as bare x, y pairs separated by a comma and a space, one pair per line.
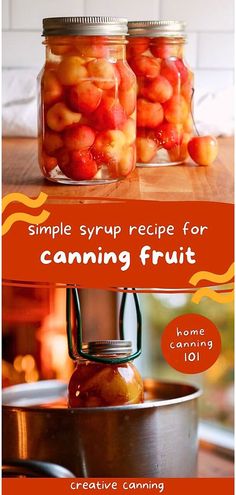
203, 149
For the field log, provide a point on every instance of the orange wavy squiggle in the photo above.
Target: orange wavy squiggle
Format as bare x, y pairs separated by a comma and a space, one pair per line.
213, 277
24, 217
212, 294
23, 199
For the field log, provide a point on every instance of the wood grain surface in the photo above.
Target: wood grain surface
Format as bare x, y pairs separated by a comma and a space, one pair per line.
212, 464
186, 182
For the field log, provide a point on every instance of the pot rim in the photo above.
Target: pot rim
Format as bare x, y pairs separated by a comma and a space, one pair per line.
149, 383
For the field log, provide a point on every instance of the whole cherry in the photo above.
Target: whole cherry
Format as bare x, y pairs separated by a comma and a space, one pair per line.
203, 149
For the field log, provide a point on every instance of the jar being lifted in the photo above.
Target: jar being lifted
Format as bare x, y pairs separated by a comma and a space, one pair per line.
165, 90
105, 384
87, 111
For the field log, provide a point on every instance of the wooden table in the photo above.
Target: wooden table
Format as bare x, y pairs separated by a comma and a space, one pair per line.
213, 464
180, 183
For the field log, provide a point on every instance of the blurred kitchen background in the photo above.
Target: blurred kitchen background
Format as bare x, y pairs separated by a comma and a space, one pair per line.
35, 344
209, 52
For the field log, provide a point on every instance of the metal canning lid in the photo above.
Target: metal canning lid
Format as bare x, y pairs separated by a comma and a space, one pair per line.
87, 26
108, 347
157, 28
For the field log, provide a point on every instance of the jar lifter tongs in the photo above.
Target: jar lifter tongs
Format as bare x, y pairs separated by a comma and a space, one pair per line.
75, 339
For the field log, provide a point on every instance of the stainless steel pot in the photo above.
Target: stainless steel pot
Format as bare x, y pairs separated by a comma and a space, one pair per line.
155, 439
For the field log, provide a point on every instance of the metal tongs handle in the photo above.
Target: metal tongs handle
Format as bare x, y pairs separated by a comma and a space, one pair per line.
75, 344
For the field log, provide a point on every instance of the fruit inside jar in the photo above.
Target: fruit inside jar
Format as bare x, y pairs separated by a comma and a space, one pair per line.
165, 91
87, 104
105, 384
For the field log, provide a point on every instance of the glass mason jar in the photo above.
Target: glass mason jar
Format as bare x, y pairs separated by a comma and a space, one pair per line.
165, 91
105, 384
87, 104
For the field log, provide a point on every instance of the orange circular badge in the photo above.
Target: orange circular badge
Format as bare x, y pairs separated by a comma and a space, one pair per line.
191, 343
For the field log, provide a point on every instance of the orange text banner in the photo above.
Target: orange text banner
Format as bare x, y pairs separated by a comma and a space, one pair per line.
205, 486
139, 244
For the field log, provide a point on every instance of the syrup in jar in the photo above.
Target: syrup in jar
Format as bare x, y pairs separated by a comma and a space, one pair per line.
105, 384
165, 90
87, 101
